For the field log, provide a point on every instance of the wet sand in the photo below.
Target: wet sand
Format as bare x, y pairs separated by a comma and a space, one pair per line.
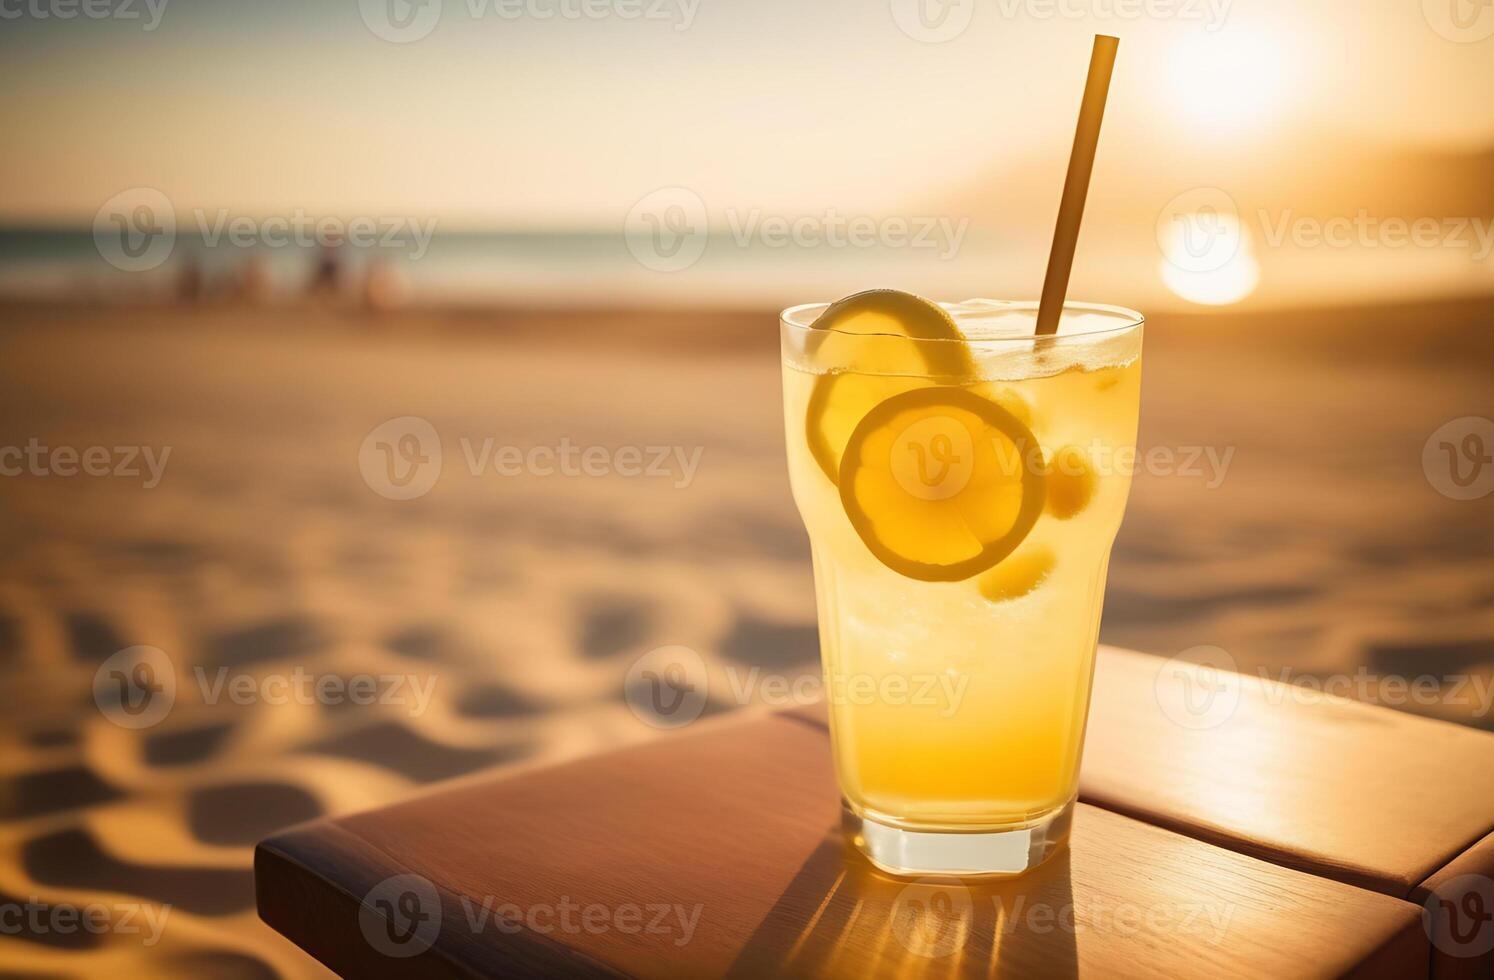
519, 602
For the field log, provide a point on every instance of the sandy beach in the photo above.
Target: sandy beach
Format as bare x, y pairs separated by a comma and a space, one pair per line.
1286, 518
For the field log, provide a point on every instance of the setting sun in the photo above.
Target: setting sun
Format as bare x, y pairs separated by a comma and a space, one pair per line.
1226, 79
1208, 256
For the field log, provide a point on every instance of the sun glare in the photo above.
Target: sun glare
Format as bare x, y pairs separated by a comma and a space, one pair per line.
1227, 79
1208, 257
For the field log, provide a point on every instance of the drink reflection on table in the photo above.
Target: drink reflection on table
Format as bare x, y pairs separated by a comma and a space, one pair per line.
841, 916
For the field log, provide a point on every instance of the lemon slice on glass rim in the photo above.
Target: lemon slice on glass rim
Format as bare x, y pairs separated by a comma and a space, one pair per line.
940, 483
867, 327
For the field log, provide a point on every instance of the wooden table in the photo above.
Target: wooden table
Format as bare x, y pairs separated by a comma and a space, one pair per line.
1267, 834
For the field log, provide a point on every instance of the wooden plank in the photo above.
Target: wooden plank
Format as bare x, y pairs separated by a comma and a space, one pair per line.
1458, 910
717, 853
1359, 793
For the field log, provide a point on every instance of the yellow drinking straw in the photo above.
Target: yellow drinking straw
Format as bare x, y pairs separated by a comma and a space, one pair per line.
1076, 184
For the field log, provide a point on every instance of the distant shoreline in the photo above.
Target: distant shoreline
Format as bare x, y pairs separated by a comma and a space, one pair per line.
1457, 330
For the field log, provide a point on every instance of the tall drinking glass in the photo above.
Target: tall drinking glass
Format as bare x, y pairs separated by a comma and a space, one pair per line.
961, 494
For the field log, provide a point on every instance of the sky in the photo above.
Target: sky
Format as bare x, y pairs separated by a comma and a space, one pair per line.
569, 115
509, 117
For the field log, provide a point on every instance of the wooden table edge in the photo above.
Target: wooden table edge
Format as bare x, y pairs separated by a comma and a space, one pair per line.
309, 861
329, 870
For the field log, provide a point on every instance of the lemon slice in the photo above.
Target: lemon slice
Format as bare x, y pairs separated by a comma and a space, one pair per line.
884, 367
941, 483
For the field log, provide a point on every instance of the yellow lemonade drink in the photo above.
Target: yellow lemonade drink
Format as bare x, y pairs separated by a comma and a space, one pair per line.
962, 482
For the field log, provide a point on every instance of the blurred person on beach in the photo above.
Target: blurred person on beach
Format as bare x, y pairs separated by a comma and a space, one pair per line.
190, 281
328, 272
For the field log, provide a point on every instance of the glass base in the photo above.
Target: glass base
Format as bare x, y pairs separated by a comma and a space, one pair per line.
916, 853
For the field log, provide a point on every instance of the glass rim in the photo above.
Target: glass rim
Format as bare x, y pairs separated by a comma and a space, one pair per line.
1129, 320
